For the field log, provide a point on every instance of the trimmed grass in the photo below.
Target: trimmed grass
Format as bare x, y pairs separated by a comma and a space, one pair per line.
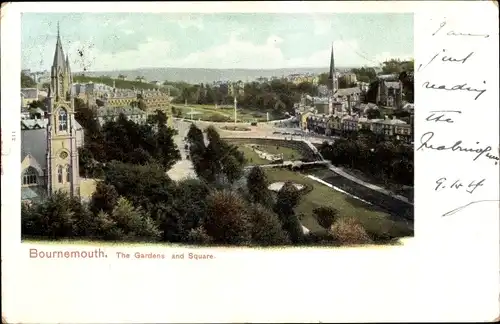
289, 154
236, 128
253, 158
373, 220
205, 111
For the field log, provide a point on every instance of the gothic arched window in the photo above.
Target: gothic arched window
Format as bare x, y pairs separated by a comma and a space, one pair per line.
68, 173
30, 176
63, 120
60, 174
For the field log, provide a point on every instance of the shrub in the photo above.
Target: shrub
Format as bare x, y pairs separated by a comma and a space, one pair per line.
226, 218
325, 216
266, 227
104, 198
133, 222
54, 218
199, 236
348, 230
217, 118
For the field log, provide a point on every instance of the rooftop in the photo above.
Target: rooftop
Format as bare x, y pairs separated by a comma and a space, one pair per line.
127, 111
29, 93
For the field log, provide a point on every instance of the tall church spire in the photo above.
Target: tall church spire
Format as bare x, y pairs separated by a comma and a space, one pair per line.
58, 54
332, 77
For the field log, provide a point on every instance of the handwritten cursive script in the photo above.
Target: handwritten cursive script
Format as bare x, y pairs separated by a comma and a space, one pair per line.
439, 118
453, 33
458, 209
446, 58
458, 87
442, 184
426, 138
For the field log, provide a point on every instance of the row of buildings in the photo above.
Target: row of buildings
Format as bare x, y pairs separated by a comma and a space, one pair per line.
341, 111
335, 125
102, 95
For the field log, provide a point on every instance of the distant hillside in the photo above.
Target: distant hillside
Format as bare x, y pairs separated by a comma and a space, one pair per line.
120, 84
203, 75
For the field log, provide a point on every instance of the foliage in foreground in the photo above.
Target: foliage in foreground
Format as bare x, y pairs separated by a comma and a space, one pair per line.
136, 202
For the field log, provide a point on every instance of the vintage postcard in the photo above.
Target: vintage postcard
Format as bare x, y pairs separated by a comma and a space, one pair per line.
213, 154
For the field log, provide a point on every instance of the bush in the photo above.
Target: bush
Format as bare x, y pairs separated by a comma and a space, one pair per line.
54, 218
217, 118
227, 218
348, 230
199, 236
266, 227
320, 238
132, 222
325, 216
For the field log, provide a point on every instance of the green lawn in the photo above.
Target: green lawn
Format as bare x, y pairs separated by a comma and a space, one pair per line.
374, 221
253, 158
205, 111
289, 154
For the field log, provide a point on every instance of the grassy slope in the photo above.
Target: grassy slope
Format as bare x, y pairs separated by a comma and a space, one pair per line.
321, 195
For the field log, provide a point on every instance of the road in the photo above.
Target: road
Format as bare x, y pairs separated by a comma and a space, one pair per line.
184, 168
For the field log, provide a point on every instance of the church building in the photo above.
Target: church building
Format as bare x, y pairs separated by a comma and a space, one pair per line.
49, 146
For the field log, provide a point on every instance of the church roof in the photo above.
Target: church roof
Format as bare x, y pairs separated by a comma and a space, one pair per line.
34, 142
347, 92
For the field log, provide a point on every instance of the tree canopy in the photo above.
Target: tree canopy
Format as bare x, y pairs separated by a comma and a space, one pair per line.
27, 81
124, 140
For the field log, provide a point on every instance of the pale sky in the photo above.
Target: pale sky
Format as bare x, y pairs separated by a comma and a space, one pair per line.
120, 41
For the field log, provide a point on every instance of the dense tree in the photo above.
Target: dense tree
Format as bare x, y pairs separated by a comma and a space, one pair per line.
287, 199
266, 227
257, 186
199, 236
276, 97
124, 140
104, 198
365, 74
343, 84
186, 211
227, 219
141, 184
132, 223
54, 218
371, 94
407, 78
27, 81
325, 216
38, 104
373, 155
219, 161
